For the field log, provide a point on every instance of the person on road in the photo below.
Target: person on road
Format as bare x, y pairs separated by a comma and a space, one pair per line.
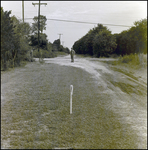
31, 55
72, 52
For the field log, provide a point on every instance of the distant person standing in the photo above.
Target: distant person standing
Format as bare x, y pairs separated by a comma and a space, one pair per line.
72, 52
31, 55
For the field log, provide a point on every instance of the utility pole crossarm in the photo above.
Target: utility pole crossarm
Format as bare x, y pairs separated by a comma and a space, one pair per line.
40, 4
60, 35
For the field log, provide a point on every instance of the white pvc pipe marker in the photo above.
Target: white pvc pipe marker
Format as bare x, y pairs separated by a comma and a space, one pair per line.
71, 93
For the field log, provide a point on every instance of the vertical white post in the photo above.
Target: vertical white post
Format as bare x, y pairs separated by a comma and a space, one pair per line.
71, 93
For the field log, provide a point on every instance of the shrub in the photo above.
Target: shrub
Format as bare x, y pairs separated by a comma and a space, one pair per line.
45, 54
134, 59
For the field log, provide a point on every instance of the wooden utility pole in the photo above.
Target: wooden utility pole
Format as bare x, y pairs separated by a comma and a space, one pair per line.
60, 36
23, 10
39, 23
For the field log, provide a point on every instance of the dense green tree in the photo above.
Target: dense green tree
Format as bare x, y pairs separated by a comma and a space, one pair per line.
76, 47
7, 36
141, 35
104, 44
66, 50
49, 46
118, 49
45, 47
133, 40
90, 38
79, 46
42, 24
88, 43
56, 45
23, 28
63, 49
14, 40
100, 42
21, 40
42, 41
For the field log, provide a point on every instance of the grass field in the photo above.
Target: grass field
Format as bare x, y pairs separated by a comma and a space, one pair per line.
134, 65
37, 114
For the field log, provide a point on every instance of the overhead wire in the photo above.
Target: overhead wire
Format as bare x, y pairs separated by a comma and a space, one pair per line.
84, 22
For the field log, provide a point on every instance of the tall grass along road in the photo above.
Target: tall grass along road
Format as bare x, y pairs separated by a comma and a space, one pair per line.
109, 109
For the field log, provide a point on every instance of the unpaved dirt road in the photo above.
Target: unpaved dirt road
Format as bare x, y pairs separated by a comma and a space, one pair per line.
127, 96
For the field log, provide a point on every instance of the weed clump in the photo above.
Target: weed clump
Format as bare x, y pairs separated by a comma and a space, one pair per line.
134, 59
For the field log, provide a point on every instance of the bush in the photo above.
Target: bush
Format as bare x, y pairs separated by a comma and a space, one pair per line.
45, 54
126, 59
134, 59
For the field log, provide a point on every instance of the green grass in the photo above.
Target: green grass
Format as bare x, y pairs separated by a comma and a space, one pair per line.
39, 114
128, 88
134, 65
133, 60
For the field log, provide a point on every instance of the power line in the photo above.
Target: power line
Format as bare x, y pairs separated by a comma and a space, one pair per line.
87, 22
83, 22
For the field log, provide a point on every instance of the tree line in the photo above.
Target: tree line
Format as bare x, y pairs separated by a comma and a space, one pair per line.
19, 38
47, 49
99, 41
14, 40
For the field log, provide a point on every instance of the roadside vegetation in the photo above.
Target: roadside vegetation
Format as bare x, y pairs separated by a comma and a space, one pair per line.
100, 42
14, 40
135, 61
133, 65
129, 47
19, 41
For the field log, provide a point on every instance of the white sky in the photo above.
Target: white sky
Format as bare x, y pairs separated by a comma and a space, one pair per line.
105, 12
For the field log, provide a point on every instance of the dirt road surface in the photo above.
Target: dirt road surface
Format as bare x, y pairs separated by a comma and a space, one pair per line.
119, 94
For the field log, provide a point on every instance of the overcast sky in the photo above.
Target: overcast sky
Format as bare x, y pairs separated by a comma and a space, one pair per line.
105, 12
